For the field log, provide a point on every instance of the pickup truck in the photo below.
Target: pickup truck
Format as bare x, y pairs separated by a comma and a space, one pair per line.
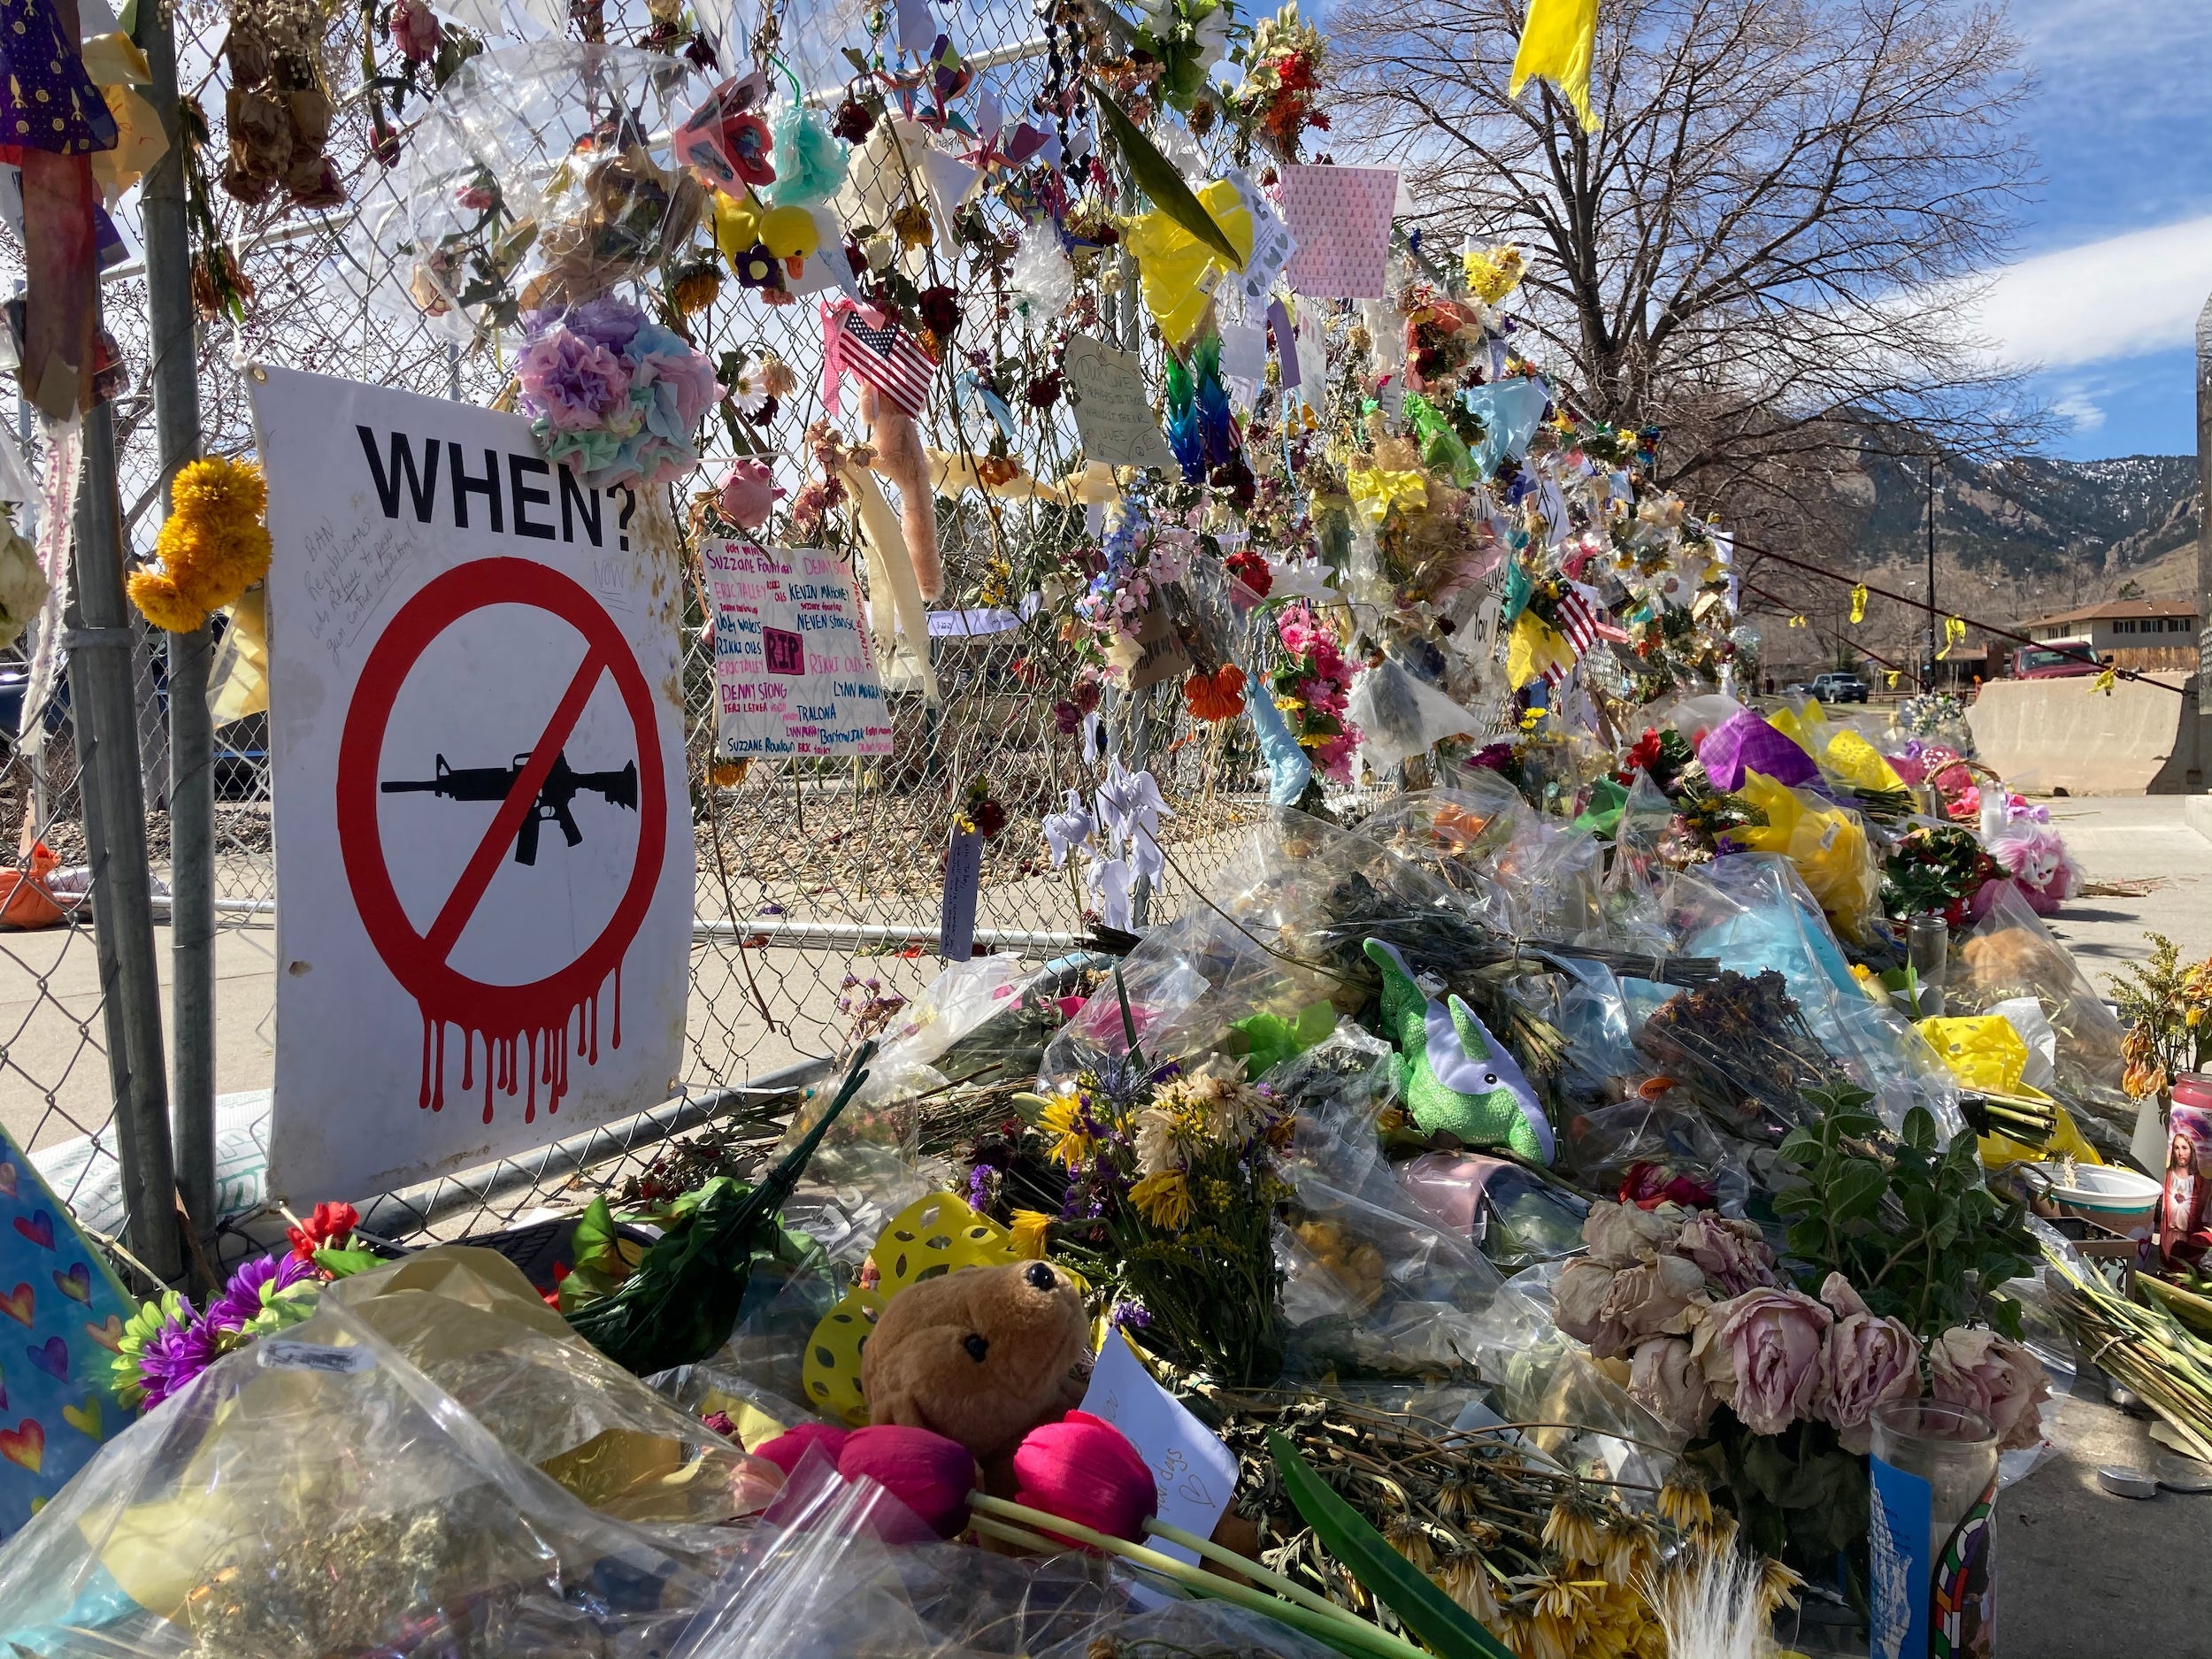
2056, 659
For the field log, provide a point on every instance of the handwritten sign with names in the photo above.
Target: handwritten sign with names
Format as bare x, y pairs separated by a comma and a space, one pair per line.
1194, 1474
791, 670
1113, 411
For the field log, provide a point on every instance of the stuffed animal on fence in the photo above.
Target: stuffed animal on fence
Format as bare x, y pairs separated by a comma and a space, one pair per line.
1454, 1076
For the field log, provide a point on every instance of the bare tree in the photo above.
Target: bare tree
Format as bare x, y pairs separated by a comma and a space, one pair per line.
1764, 248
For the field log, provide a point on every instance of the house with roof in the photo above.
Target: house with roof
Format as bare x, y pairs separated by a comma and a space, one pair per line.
2139, 634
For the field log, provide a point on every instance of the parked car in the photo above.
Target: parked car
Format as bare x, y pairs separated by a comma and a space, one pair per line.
2056, 659
1838, 688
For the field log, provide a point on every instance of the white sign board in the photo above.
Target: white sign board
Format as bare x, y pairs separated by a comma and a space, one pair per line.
792, 673
483, 844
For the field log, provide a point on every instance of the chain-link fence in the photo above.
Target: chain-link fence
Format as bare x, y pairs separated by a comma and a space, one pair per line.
819, 883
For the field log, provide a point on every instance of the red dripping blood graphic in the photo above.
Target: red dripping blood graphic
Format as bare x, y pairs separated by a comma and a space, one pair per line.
526, 1030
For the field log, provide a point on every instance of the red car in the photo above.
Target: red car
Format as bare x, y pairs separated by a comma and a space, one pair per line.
2057, 659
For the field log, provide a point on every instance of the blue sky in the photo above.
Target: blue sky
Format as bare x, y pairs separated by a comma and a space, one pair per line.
2115, 252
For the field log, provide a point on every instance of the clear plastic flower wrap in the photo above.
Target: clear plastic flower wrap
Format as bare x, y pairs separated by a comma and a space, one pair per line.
470, 1321
540, 176
317, 1493
2011, 954
1529, 876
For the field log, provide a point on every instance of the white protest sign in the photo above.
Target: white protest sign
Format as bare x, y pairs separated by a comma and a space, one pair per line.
792, 673
482, 828
1195, 1473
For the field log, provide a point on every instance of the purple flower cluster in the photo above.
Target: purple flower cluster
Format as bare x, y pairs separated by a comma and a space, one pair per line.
613, 395
191, 1339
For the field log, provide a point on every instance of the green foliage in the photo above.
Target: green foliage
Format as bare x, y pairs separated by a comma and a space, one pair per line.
1909, 1223
1156, 176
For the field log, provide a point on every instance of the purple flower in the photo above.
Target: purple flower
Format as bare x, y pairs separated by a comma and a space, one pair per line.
982, 1187
244, 1297
176, 1354
1129, 1315
571, 382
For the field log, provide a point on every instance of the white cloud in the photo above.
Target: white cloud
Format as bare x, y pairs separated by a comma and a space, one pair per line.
2122, 297
2085, 415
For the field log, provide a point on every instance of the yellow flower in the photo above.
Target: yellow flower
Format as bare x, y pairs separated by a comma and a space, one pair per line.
156, 596
1030, 1230
1684, 1501
1163, 1200
1570, 1531
1064, 1118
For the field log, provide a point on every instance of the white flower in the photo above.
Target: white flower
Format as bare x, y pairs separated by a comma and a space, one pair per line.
749, 390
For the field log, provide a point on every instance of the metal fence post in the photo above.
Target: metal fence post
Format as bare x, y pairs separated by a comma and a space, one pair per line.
100, 646
173, 370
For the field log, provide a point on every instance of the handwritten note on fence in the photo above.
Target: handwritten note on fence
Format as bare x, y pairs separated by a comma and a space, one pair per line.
792, 671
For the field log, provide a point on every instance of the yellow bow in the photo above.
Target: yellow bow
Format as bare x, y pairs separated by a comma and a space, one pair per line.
1376, 491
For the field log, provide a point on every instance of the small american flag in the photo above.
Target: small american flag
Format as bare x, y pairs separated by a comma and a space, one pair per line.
878, 352
1578, 621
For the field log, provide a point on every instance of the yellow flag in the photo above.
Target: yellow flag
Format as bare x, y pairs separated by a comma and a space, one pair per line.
1953, 634
1557, 43
1800, 622
1533, 646
1895, 674
2102, 682
1858, 604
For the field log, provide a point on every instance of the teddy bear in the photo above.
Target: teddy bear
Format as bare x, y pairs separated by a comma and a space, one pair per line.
981, 1356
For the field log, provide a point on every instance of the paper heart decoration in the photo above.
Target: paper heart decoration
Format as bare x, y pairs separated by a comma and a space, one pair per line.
76, 1284
38, 1229
52, 1357
7, 1179
109, 1335
26, 1446
19, 1304
84, 1418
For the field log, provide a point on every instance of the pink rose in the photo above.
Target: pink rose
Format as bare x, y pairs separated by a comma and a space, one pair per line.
1666, 1381
1731, 1253
1622, 1234
1999, 1379
415, 31
1655, 1299
1761, 1353
1578, 1303
1864, 1362
1611, 1308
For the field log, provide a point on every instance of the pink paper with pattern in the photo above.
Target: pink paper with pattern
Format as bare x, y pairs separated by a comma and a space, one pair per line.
1341, 217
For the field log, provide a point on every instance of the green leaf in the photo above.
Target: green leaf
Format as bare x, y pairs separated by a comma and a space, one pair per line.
593, 1246
1436, 1621
345, 1263
1155, 175
1800, 1146
1920, 1129
1857, 1189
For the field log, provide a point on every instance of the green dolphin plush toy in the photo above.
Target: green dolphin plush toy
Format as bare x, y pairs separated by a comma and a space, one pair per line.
1455, 1075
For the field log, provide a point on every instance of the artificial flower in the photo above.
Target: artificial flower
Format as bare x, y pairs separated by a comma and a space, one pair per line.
328, 1227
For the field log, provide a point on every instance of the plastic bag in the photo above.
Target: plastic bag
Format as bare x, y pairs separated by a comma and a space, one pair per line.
540, 175
315, 1493
1745, 744
470, 1323
1527, 874
1827, 843
2009, 953
1515, 1218
1398, 716
1642, 1150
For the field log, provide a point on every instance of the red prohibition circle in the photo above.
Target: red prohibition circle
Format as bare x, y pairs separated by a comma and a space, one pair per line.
416, 962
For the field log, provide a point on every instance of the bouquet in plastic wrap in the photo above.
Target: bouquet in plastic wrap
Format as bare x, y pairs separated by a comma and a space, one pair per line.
318, 1494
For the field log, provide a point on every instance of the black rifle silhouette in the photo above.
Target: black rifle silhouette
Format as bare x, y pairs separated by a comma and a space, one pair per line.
561, 786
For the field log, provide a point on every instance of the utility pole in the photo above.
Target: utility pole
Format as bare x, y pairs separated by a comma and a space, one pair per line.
1927, 672
174, 371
